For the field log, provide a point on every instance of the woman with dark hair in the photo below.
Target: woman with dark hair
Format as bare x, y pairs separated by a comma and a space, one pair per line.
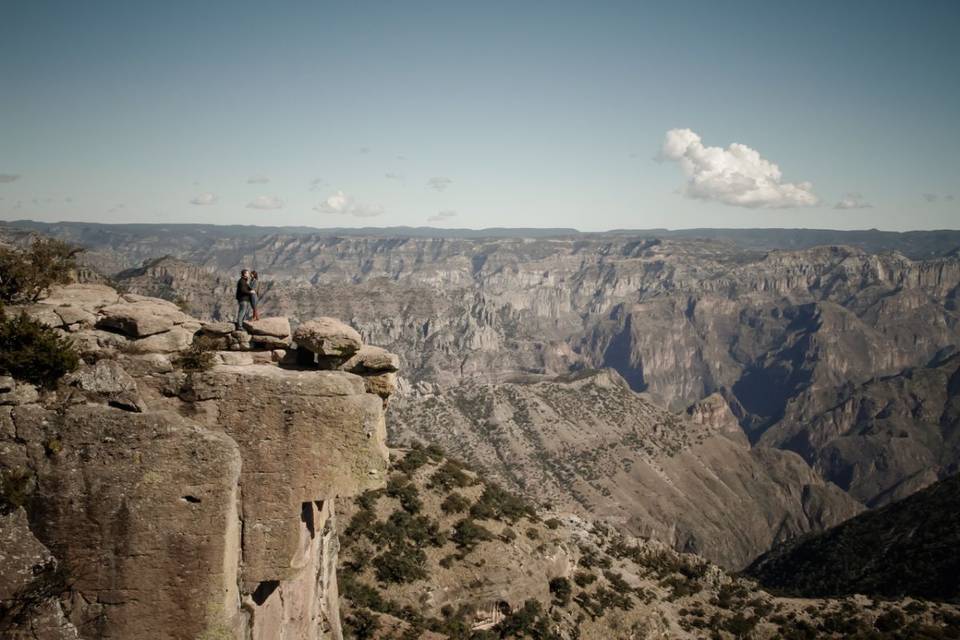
254, 293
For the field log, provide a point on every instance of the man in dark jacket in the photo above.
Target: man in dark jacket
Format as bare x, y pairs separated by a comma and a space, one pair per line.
244, 298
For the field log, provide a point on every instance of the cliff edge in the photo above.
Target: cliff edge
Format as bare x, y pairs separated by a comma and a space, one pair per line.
182, 482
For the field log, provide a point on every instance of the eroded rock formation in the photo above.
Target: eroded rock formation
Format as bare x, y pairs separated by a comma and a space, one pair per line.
150, 501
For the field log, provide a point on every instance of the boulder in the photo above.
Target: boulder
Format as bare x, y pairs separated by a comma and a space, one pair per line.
234, 358
383, 385
85, 296
7, 384
70, 315
142, 319
217, 328
135, 297
176, 339
278, 327
328, 337
108, 382
238, 341
269, 343
370, 358
20, 393
42, 313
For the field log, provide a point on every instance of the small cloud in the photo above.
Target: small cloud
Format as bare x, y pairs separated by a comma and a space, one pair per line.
116, 208
401, 157
633, 155
931, 197
365, 150
737, 176
258, 180
439, 183
204, 198
949, 198
342, 204
68, 199
6, 178
317, 183
266, 202
393, 176
852, 201
442, 215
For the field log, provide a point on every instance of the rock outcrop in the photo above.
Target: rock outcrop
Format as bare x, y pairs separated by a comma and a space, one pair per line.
182, 504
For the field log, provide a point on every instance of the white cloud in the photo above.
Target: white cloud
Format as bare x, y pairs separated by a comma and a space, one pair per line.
342, 204
442, 216
439, 183
931, 197
852, 201
736, 176
204, 198
393, 176
258, 180
266, 202
6, 178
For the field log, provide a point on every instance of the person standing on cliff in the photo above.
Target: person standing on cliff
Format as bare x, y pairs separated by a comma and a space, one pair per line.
244, 298
255, 293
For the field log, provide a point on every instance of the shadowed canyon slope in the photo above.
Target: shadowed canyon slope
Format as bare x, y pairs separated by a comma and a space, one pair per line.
904, 548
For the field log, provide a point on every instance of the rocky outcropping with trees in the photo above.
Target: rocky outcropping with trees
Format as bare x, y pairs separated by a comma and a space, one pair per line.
178, 479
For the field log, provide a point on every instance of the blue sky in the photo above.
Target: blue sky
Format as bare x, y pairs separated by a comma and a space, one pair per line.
482, 114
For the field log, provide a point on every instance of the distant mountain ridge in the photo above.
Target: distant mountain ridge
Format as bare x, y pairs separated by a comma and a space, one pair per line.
914, 244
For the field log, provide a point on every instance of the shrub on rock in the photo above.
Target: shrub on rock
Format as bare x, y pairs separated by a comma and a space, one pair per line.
26, 274
199, 356
34, 352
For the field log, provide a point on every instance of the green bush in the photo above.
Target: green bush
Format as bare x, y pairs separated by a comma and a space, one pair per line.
450, 475
199, 356
467, 534
496, 503
584, 578
561, 589
362, 624
400, 564
34, 352
15, 488
412, 461
26, 274
454, 503
403, 490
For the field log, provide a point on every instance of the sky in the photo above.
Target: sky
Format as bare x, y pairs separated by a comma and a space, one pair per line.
591, 115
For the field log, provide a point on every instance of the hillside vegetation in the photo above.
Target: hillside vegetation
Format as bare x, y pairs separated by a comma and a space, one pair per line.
442, 553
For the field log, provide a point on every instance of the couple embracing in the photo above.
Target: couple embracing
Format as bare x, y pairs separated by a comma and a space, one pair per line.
247, 297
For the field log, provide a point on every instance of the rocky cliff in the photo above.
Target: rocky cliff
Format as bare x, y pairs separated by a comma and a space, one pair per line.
141, 499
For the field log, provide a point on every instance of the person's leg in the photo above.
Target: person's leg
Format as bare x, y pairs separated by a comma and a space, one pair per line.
243, 310
253, 303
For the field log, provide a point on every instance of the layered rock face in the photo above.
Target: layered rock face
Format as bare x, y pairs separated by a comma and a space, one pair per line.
150, 501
